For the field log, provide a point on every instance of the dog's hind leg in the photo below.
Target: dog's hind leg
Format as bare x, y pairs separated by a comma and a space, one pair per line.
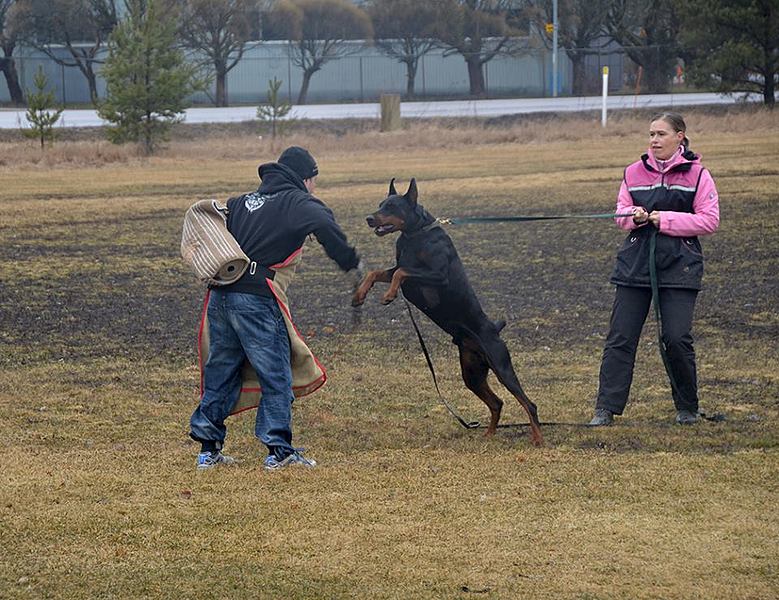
500, 362
474, 371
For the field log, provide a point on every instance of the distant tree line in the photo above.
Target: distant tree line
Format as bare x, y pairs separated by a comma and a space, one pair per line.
727, 45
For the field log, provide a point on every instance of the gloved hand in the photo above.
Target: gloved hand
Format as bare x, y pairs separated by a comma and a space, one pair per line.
356, 275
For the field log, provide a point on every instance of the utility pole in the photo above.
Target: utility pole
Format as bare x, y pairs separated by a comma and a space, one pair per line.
604, 96
555, 25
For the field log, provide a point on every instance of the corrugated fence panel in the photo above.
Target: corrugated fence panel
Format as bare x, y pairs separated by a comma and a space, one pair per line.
359, 77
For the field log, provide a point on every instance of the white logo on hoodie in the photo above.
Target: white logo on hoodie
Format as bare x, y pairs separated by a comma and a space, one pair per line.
255, 202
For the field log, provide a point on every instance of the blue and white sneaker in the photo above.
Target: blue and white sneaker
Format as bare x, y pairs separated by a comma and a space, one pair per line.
209, 460
296, 458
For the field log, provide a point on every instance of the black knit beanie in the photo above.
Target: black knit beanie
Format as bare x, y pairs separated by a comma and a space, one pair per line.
299, 160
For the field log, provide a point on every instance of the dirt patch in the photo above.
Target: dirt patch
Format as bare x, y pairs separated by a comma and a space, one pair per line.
550, 283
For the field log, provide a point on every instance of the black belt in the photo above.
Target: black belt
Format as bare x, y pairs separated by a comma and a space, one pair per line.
253, 280
257, 272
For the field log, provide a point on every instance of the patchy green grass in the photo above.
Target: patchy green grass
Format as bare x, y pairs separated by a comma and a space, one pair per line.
99, 495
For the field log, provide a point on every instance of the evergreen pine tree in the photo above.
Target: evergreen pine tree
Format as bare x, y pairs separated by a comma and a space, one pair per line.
147, 78
732, 45
275, 109
42, 114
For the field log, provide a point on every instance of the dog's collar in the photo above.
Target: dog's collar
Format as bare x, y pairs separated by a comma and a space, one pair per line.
424, 229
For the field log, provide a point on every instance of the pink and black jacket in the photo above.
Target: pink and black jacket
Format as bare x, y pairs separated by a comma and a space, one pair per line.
684, 192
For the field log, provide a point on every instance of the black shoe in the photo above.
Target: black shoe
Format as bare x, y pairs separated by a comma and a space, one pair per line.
687, 417
602, 417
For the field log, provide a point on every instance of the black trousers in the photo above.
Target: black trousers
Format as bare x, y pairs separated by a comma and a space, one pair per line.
631, 306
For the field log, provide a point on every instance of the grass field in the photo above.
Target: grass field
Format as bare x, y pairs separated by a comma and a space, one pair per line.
100, 497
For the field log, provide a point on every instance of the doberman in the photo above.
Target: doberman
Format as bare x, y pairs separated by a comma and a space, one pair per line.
431, 275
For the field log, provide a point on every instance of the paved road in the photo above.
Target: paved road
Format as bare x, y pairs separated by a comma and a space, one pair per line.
12, 119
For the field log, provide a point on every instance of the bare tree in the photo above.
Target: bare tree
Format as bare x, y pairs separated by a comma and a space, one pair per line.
8, 41
479, 30
581, 23
317, 30
406, 31
219, 30
81, 26
648, 30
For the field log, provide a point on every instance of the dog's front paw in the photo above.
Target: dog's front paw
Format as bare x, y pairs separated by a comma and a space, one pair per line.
358, 299
360, 294
388, 298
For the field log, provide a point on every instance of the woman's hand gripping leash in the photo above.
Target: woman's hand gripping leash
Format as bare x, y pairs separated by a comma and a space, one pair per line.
640, 216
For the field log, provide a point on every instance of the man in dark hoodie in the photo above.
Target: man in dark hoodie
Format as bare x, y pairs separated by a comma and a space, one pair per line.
245, 320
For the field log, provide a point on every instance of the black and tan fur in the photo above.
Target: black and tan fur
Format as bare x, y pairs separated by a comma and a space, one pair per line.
429, 272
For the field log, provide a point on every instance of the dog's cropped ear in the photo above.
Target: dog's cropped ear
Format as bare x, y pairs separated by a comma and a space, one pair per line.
392, 190
411, 193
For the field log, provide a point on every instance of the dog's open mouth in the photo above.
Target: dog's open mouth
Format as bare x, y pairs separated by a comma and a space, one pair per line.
380, 225
384, 229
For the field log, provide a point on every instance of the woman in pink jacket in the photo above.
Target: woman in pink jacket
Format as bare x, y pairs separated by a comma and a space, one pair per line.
670, 195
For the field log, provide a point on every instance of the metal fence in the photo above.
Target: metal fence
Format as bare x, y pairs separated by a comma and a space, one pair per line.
365, 75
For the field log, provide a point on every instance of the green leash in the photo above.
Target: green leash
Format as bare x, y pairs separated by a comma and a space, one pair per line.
716, 417
462, 220
656, 305
521, 218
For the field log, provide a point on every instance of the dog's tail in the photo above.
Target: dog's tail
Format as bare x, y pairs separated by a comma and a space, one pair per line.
500, 324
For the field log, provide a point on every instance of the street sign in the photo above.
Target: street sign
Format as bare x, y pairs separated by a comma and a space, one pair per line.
550, 28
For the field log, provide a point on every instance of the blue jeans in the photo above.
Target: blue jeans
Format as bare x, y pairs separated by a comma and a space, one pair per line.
242, 326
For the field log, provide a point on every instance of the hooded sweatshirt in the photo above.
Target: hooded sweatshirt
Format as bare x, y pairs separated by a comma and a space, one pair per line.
683, 191
273, 222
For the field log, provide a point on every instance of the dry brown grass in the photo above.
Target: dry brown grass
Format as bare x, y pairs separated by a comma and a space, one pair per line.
99, 495
238, 141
